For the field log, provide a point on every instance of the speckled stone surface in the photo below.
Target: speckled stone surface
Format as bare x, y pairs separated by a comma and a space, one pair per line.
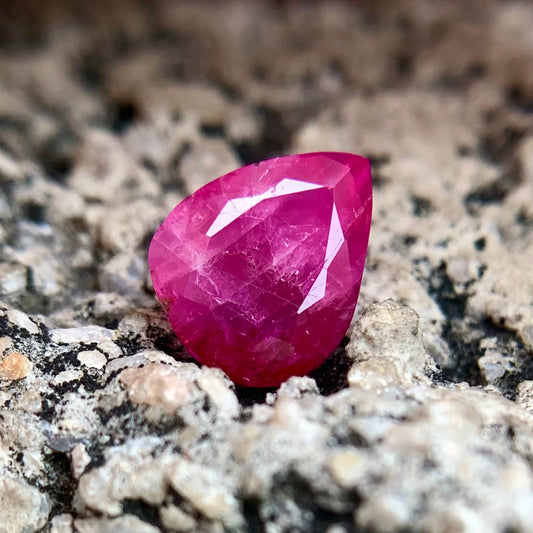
422, 420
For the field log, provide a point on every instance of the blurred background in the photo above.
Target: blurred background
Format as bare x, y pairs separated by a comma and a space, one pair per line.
112, 111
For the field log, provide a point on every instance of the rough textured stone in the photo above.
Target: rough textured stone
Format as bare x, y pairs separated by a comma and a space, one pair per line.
14, 365
61, 523
387, 347
24, 508
117, 525
156, 385
108, 112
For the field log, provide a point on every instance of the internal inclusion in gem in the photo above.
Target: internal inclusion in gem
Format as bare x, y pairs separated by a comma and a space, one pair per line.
259, 271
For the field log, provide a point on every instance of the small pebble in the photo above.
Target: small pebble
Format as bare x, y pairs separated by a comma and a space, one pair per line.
92, 359
67, 376
85, 334
80, 459
14, 366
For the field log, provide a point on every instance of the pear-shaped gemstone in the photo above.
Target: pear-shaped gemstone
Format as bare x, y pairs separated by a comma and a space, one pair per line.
259, 271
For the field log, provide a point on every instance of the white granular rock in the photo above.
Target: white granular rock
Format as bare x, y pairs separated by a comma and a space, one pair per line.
85, 334
387, 348
80, 460
206, 492
67, 376
210, 159
216, 385
92, 359
22, 320
111, 349
347, 466
24, 508
175, 519
525, 395
12, 278
156, 385
5, 344
61, 523
124, 524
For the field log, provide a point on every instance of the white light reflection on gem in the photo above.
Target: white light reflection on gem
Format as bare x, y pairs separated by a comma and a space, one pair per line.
238, 206
335, 241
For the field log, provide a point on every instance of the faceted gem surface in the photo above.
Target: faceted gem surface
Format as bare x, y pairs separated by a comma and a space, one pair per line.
259, 271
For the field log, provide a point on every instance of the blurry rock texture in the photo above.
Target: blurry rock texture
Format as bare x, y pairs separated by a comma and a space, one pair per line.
112, 112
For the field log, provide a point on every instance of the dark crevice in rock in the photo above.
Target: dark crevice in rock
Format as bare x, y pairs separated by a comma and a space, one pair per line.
95, 450
464, 335
249, 396
48, 408
247, 152
250, 510
403, 62
123, 114
56, 155
319, 511
453, 305
90, 68
520, 359
409, 240
34, 212
169, 343
202, 522
421, 207
331, 375
500, 141
480, 244
172, 181
212, 130
464, 347
520, 98
324, 519
492, 193
144, 511
131, 422
460, 81
58, 482
275, 137
376, 163
345, 436
465, 354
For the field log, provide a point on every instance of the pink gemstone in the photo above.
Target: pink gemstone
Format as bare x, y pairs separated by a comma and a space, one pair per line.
259, 271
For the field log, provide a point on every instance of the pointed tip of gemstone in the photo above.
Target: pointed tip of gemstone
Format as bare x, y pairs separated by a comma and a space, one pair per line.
260, 269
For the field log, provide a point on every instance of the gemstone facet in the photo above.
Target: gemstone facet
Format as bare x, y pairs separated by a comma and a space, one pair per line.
259, 271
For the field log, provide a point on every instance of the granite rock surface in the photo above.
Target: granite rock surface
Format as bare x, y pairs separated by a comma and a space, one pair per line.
422, 420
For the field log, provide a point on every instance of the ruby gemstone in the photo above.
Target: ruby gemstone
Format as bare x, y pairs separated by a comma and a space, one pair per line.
259, 271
